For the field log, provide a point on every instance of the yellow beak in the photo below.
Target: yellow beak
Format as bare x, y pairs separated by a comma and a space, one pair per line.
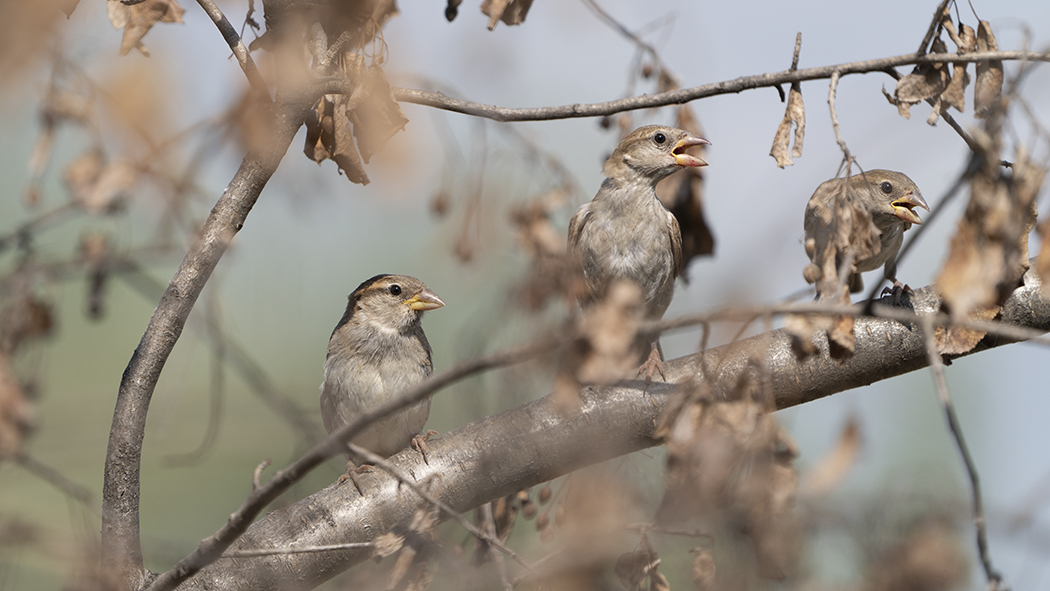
424, 300
902, 207
685, 143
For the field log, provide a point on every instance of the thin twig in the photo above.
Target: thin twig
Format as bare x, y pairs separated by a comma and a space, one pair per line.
244, 57
380, 461
934, 23
847, 157
675, 97
995, 580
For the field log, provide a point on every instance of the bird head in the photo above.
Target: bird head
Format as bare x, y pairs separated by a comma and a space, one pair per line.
895, 196
390, 302
653, 152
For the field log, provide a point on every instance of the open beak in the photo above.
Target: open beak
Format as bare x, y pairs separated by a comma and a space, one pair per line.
424, 300
684, 144
903, 207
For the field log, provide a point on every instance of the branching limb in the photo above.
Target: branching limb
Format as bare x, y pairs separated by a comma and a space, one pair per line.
121, 547
535, 443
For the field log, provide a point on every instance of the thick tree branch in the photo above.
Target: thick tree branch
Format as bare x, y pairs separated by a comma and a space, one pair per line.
534, 443
684, 95
120, 501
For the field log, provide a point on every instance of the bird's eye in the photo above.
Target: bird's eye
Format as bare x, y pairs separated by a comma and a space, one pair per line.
886, 187
659, 138
395, 289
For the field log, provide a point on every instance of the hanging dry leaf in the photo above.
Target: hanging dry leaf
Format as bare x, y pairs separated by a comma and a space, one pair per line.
375, 113
988, 89
989, 252
16, 413
925, 81
511, 12
330, 136
928, 558
138, 19
830, 470
704, 572
957, 340
632, 568
98, 186
603, 351
794, 114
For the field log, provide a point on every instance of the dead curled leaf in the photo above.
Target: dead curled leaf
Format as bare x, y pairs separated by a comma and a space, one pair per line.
511, 12
704, 572
988, 89
16, 412
989, 252
957, 340
925, 81
96, 185
370, 115
794, 114
604, 350
138, 19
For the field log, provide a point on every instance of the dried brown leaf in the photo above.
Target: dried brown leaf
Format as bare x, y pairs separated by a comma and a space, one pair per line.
634, 567
928, 558
957, 340
386, 544
511, 12
830, 470
925, 81
329, 136
794, 114
138, 19
16, 413
98, 186
704, 572
989, 252
988, 89
374, 112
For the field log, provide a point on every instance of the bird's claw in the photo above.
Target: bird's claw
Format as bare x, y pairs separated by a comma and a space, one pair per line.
651, 366
352, 471
419, 443
897, 291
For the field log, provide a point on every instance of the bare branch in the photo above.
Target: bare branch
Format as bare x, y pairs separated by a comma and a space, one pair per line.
534, 443
677, 97
121, 547
244, 57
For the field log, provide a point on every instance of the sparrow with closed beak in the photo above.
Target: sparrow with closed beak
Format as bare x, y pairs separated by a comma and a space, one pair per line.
376, 352
626, 233
889, 197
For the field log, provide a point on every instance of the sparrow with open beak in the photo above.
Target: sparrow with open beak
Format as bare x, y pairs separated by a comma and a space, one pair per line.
890, 197
376, 352
626, 233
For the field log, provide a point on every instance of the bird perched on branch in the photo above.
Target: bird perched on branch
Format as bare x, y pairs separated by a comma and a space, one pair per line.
626, 233
376, 352
836, 225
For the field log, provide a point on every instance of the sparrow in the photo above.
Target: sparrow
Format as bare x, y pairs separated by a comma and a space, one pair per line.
889, 197
377, 351
626, 233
